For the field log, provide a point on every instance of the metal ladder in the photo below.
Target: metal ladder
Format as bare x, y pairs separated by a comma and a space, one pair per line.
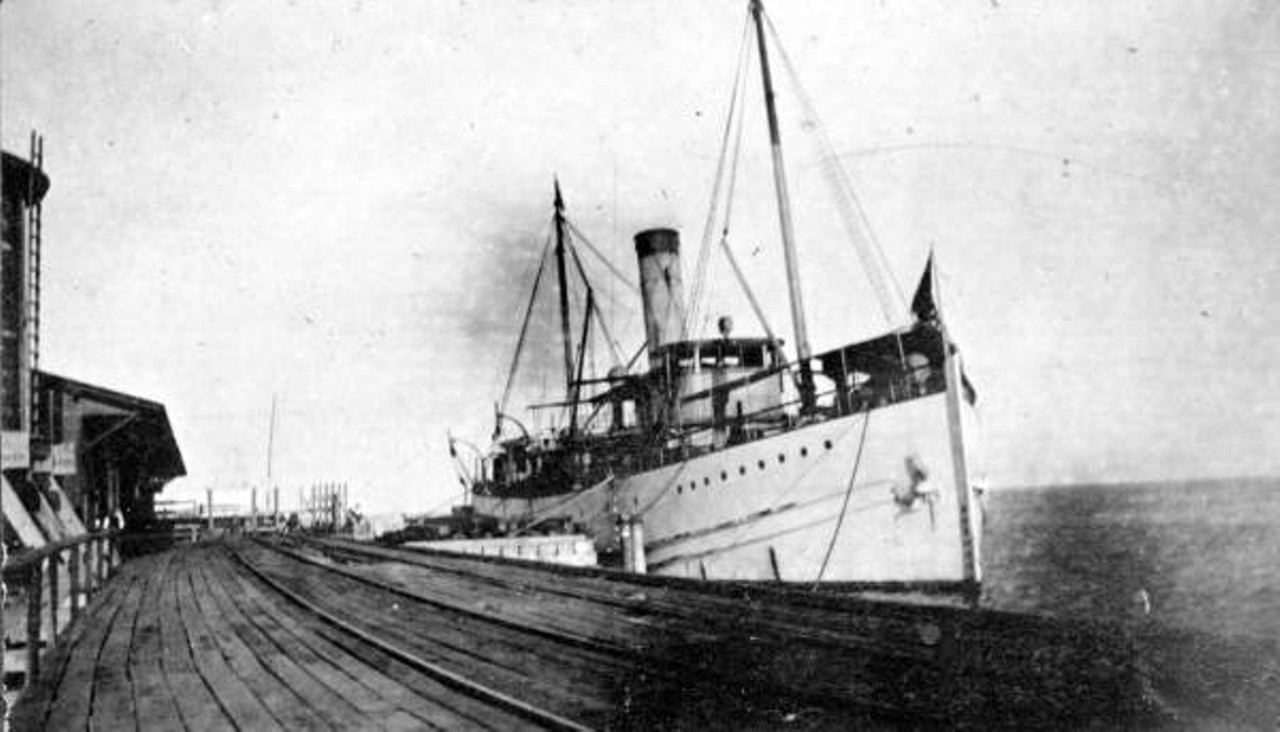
33, 265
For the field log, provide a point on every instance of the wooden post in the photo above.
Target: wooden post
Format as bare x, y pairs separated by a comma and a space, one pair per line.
35, 583
633, 559
209, 494
275, 506
53, 598
103, 551
73, 580
253, 509
87, 569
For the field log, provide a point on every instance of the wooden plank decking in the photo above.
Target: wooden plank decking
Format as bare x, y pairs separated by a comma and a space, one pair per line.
244, 636
185, 639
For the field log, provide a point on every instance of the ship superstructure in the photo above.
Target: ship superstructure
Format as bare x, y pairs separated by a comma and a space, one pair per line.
729, 458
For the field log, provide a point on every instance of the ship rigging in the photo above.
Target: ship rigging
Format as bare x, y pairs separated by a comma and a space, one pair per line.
878, 452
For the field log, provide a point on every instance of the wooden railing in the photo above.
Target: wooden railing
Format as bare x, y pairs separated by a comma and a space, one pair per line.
90, 559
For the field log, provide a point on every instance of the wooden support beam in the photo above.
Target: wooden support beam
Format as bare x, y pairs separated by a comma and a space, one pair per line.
53, 599
73, 580
104, 556
35, 583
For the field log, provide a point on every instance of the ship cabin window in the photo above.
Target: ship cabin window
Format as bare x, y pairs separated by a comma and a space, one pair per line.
732, 355
685, 356
694, 356
627, 414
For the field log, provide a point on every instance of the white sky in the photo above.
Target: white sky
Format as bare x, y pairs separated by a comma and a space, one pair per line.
342, 205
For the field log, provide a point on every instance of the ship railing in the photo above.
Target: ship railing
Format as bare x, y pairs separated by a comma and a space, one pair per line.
36, 574
692, 440
901, 386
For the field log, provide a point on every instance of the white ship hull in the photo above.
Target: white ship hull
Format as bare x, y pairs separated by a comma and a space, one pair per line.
777, 509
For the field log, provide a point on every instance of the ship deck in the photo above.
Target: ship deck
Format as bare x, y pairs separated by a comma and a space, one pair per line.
331, 635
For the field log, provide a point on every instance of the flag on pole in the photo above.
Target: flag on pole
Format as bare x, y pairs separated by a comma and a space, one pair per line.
923, 304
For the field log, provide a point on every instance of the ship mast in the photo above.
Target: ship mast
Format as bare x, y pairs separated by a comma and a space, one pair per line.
564, 292
803, 353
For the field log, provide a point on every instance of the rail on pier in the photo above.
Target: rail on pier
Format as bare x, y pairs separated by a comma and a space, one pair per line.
324, 634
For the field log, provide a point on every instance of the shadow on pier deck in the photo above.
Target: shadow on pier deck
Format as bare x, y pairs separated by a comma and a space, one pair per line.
325, 635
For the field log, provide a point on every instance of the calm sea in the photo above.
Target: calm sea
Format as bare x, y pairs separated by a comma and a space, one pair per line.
1207, 554
1204, 557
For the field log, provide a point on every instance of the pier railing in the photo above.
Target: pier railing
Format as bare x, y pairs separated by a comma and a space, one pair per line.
89, 561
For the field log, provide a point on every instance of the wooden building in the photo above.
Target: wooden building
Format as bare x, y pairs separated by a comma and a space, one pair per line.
73, 456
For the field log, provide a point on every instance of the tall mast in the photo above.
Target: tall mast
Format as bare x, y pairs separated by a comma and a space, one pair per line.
564, 292
271, 437
784, 218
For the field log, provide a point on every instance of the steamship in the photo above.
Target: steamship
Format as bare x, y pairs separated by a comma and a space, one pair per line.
728, 457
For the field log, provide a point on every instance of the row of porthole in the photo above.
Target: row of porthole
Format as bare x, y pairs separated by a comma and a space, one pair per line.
742, 469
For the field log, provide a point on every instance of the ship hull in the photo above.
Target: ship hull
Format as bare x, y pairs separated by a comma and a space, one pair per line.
826, 502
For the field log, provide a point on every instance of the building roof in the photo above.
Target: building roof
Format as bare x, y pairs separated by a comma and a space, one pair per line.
21, 179
147, 427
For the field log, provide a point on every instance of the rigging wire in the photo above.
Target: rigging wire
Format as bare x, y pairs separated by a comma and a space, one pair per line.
577, 233
852, 213
844, 504
604, 329
524, 329
742, 282
733, 116
730, 195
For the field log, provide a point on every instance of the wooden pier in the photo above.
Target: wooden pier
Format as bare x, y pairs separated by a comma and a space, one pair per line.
290, 634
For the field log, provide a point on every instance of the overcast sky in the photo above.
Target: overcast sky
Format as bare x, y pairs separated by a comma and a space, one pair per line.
343, 206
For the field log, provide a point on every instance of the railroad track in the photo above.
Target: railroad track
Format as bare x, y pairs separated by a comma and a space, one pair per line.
553, 677
852, 623
316, 635
891, 660
528, 712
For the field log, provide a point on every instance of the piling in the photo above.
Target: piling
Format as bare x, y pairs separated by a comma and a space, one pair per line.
633, 559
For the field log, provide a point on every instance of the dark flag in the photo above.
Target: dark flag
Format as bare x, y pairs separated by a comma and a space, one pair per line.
922, 304
970, 394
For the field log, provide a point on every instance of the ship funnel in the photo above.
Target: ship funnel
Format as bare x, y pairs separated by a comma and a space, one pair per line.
661, 287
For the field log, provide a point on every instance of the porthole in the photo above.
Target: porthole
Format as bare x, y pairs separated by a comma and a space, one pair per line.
724, 475
826, 444
706, 481
804, 452
636, 501
761, 464
742, 470
782, 458
679, 489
